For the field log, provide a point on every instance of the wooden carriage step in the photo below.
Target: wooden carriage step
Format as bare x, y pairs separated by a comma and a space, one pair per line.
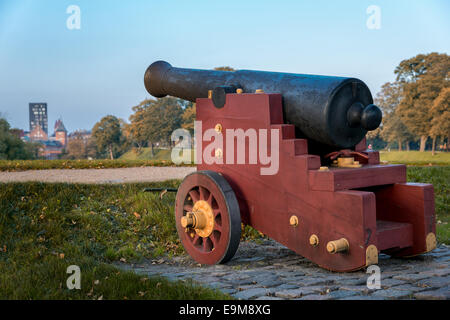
336, 179
392, 234
287, 130
297, 146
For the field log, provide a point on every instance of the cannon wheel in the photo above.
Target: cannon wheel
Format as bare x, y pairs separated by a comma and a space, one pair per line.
208, 217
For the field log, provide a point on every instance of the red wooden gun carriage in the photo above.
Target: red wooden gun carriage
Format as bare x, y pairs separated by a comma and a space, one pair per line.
330, 200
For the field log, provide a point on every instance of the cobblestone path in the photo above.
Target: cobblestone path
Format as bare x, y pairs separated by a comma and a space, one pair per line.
268, 271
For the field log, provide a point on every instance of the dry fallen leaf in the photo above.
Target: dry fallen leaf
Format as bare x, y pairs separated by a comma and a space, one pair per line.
100, 298
96, 281
61, 255
137, 215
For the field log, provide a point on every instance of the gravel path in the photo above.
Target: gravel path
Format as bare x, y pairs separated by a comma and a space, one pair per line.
119, 175
270, 271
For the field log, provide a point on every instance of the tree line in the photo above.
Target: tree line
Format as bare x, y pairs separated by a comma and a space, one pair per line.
416, 106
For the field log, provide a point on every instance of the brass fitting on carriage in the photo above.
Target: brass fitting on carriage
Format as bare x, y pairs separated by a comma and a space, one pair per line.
193, 220
337, 246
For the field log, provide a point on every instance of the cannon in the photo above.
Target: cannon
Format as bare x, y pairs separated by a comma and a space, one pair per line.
328, 198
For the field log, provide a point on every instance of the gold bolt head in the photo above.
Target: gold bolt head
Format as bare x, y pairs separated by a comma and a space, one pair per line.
259, 91
218, 128
239, 91
293, 221
314, 240
209, 94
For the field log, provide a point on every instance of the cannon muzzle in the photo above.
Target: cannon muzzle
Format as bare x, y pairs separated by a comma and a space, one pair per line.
336, 111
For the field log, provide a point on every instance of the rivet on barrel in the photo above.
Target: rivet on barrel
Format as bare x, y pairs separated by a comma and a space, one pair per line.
239, 91
259, 91
336, 246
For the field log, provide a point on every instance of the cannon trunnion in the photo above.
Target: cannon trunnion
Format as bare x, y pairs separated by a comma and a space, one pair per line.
339, 210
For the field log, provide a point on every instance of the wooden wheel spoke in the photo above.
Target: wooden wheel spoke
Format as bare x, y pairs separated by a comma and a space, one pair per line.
204, 193
194, 195
195, 239
216, 212
217, 227
207, 244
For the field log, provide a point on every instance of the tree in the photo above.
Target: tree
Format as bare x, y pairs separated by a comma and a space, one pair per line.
224, 68
12, 147
188, 118
440, 125
393, 129
422, 78
107, 134
155, 120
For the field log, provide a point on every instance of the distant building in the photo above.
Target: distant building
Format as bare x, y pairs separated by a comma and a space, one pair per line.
38, 134
60, 132
38, 116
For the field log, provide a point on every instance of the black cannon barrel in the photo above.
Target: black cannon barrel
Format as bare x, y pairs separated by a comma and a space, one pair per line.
336, 111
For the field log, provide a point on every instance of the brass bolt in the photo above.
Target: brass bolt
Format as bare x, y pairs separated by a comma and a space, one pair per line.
209, 94
324, 169
239, 91
188, 220
218, 128
314, 240
293, 221
259, 91
336, 246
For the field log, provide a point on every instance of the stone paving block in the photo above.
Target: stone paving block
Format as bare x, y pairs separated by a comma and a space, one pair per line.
409, 287
391, 293
285, 286
411, 277
315, 297
435, 282
437, 272
360, 289
390, 282
293, 293
268, 298
440, 294
340, 294
250, 293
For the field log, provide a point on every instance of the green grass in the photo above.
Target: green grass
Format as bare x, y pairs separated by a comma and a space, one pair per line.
44, 228
21, 165
416, 158
439, 177
146, 154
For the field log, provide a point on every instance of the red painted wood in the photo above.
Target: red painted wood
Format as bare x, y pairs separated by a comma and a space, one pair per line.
325, 202
394, 234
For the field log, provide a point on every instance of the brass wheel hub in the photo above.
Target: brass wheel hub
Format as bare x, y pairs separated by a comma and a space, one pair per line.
201, 219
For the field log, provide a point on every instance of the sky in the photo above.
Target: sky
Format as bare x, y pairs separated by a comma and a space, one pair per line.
84, 74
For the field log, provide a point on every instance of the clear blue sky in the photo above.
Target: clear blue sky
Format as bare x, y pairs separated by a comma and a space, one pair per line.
98, 70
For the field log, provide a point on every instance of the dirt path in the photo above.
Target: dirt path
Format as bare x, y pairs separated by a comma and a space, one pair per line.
119, 175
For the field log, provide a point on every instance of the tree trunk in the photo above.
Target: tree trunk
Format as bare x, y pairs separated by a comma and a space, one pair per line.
433, 146
407, 146
399, 145
151, 145
111, 152
423, 140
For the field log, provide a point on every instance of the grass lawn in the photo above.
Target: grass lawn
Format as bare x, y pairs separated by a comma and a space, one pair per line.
416, 157
21, 165
44, 228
